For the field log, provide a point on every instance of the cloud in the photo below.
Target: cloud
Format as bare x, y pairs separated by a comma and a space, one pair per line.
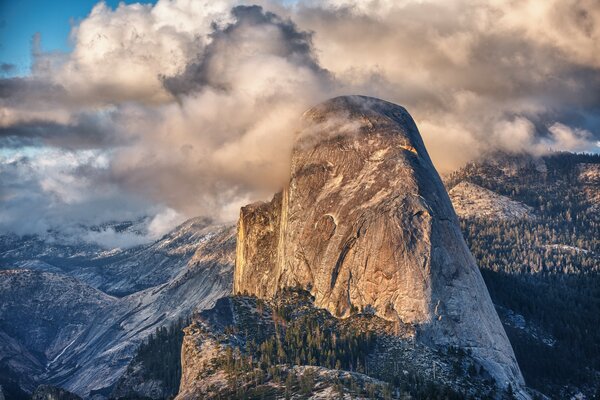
84, 130
7, 68
163, 222
121, 54
48, 188
462, 68
109, 238
228, 136
563, 137
192, 106
142, 230
257, 40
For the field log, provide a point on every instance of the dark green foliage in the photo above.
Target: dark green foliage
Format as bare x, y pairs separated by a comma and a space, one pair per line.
555, 288
303, 341
160, 355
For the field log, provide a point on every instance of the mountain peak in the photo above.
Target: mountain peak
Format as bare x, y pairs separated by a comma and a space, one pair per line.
355, 105
365, 223
349, 116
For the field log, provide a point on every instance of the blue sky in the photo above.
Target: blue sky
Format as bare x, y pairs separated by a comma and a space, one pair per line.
21, 19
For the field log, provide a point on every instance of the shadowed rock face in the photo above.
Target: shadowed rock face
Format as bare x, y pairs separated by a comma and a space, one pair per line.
366, 222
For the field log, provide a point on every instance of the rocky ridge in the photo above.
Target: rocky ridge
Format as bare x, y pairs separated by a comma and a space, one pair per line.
109, 270
473, 201
245, 347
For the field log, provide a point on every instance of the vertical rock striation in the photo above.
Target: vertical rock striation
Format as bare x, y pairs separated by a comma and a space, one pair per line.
365, 222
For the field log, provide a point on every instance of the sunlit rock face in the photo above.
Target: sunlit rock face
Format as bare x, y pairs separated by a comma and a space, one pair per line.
473, 201
365, 222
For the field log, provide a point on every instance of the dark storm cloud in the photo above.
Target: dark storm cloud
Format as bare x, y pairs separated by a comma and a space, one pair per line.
7, 68
253, 31
34, 92
87, 130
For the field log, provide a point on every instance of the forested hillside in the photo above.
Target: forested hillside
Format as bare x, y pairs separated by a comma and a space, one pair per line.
248, 348
543, 273
155, 371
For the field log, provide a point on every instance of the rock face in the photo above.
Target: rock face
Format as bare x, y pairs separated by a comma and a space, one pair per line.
365, 223
473, 201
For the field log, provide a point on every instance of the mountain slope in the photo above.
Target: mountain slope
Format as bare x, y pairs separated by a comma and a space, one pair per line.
118, 272
113, 339
544, 273
83, 339
41, 315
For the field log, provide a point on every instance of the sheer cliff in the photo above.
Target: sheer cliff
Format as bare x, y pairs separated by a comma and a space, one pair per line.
366, 223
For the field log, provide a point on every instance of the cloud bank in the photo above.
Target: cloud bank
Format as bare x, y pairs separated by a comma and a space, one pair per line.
188, 108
